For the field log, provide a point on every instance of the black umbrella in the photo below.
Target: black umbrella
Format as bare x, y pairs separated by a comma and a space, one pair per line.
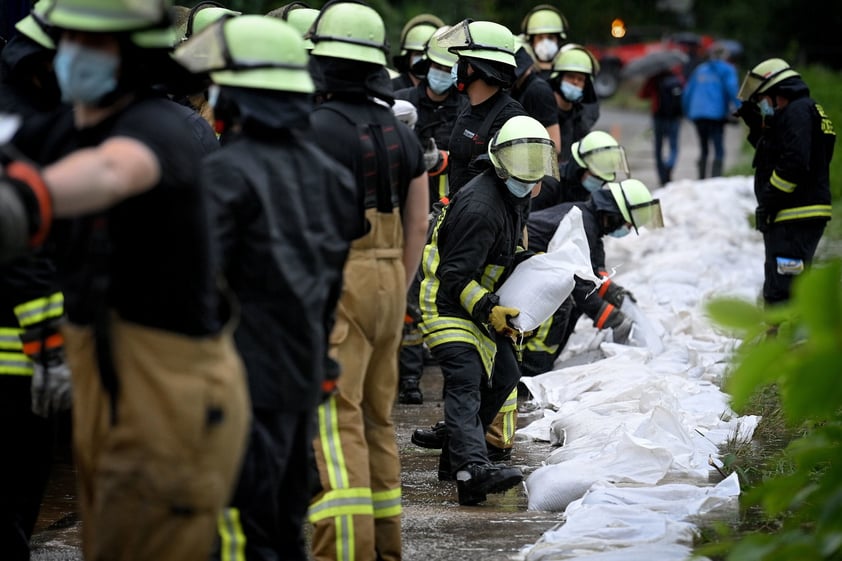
653, 63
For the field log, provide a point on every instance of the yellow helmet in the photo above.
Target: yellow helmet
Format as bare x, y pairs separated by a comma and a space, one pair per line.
522, 149
636, 204
483, 40
417, 31
350, 30
300, 16
31, 27
438, 54
544, 19
574, 58
600, 154
763, 76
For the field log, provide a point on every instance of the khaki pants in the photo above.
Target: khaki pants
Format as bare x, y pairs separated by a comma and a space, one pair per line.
152, 484
357, 514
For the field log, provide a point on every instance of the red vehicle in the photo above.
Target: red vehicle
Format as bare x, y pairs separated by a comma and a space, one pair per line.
612, 57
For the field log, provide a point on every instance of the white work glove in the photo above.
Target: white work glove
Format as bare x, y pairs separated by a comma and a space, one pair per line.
51, 386
432, 155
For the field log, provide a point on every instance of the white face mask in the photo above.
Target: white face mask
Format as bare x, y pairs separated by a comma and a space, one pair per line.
546, 49
439, 80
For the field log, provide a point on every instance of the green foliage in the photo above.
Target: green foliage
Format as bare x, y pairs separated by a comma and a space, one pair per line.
826, 88
797, 348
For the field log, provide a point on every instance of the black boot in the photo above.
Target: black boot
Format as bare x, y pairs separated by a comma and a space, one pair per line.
702, 168
409, 392
445, 469
716, 169
475, 481
498, 454
432, 437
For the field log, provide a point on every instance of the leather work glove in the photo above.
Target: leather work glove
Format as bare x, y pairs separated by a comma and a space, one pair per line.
499, 320
51, 386
432, 154
25, 209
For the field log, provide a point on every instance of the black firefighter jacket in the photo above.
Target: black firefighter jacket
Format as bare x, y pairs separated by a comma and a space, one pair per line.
282, 211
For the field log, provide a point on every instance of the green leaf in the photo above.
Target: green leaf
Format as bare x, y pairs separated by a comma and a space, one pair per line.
819, 298
759, 366
812, 390
734, 313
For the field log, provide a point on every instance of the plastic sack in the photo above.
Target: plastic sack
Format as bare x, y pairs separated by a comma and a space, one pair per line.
645, 333
539, 285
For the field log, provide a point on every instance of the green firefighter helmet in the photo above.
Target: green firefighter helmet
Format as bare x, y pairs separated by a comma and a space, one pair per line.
600, 154
32, 28
574, 58
484, 40
636, 204
436, 53
147, 21
522, 149
544, 19
249, 52
417, 31
763, 76
350, 30
204, 14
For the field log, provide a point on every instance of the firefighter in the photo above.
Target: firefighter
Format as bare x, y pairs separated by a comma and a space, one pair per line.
160, 405
34, 394
484, 70
612, 211
793, 140
299, 15
534, 93
544, 28
259, 190
411, 62
358, 510
438, 105
597, 159
474, 246
572, 78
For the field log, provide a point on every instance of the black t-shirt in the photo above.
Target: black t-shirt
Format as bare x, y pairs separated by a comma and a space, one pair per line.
159, 267
536, 97
471, 134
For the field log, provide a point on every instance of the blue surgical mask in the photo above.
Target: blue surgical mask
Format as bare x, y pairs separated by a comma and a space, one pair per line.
620, 232
439, 80
570, 92
766, 109
518, 188
454, 72
592, 183
85, 75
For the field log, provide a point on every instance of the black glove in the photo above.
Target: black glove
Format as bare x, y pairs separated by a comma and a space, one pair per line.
616, 294
623, 331
609, 317
51, 385
762, 219
25, 209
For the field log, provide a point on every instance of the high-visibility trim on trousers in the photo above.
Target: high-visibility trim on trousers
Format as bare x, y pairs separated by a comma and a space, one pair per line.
40, 309
232, 546
343, 502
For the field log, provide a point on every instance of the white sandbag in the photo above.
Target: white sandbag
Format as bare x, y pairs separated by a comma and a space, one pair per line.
539, 285
645, 333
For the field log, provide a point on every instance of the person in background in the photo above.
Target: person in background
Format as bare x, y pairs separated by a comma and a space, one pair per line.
544, 30
613, 211
438, 104
534, 93
665, 91
300, 16
357, 511
484, 70
410, 61
473, 248
571, 79
793, 140
160, 404
710, 96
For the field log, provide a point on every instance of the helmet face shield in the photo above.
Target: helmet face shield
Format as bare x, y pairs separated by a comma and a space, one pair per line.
764, 76
460, 40
605, 162
525, 159
636, 204
647, 214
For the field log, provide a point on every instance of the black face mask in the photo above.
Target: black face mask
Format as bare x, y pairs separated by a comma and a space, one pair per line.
463, 80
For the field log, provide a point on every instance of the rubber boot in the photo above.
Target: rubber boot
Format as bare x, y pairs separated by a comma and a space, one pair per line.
716, 169
475, 481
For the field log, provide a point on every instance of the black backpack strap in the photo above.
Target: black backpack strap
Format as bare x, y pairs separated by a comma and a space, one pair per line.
498, 106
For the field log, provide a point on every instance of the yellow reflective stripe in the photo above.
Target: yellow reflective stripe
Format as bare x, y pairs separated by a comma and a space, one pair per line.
471, 295
40, 309
443, 186
509, 413
15, 364
782, 184
232, 539
538, 343
430, 283
342, 502
490, 275
10, 338
511, 402
801, 212
387, 503
332, 444
458, 330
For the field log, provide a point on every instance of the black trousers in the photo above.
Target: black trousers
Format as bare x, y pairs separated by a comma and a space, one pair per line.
535, 358
274, 489
471, 398
27, 441
795, 240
